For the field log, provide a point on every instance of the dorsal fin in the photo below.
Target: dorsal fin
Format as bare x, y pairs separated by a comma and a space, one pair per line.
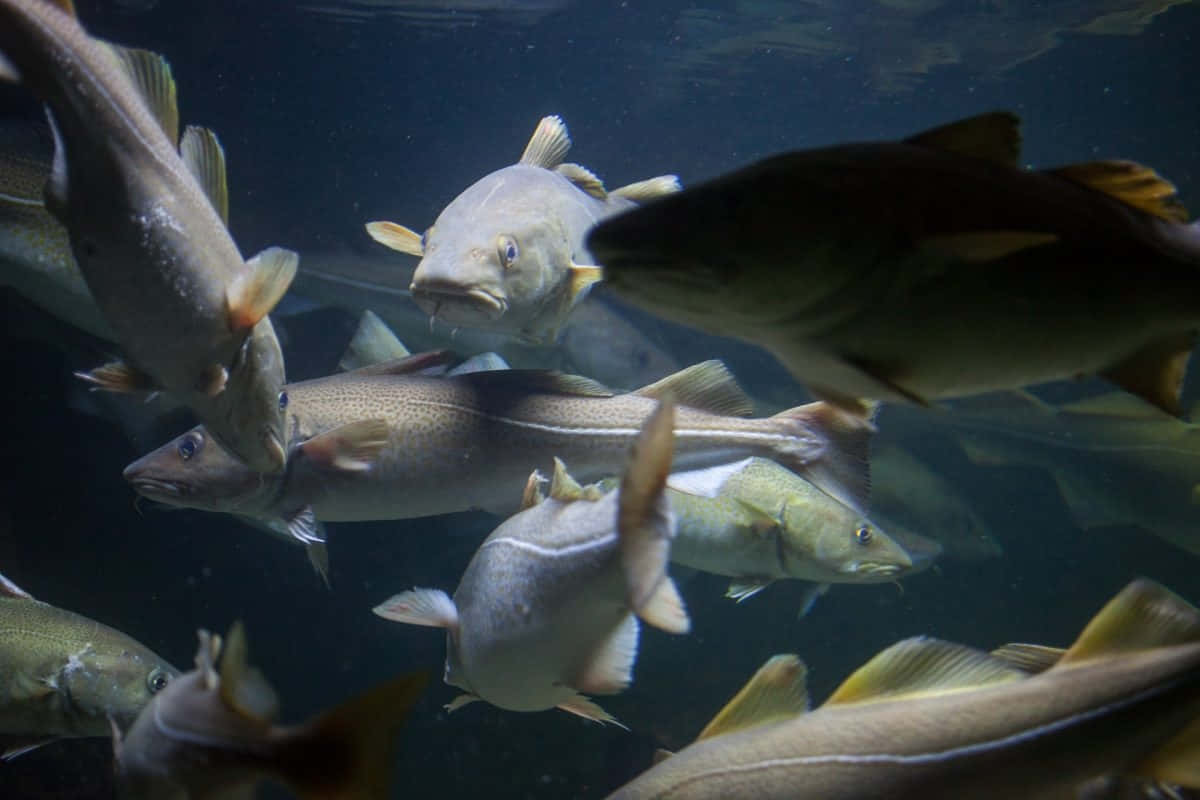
373, 343
641, 191
777, 691
10, 589
584, 178
922, 666
1143, 616
534, 380
407, 365
208, 650
562, 486
995, 136
151, 76
1132, 183
707, 386
549, 144
243, 688
205, 159
533, 490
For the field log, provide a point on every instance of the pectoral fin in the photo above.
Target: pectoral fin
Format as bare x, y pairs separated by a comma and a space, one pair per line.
255, 291
432, 608
610, 669
352, 447
778, 691
117, 376
744, 588
459, 702
582, 277
582, 707
397, 237
243, 687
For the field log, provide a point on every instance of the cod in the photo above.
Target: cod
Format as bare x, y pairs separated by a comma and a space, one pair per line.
63, 675
147, 228
507, 254
548, 607
926, 268
386, 442
212, 733
931, 719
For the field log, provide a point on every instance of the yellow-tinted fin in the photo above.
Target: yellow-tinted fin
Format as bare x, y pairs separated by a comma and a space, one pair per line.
1144, 615
645, 525
707, 386
243, 688
397, 237
151, 76
923, 666
1177, 762
533, 490
255, 291
373, 343
549, 144
995, 136
582, 278
1155, 373
777, 691
1033, 658
641, 191
1130, 182
352, 447
205, 159
349, 752
763, 521
980, 246
562, 486
117, 376
584, 178
582, 707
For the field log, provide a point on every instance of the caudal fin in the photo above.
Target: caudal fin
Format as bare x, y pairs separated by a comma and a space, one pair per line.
839, 467
347, 753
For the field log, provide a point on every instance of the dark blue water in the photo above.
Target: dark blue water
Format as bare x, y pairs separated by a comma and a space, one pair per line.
329, 123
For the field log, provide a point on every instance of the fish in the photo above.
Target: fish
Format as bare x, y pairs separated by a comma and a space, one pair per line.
386, 442
147, 226
35, 250
547, 610
212, 733
926, 268
926, 718
907, 494
507, 254
1115, 459
63, 675
765, 523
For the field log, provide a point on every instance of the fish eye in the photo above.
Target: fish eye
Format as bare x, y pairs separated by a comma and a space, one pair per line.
863, 534
189, 446
283, 400
508, 250
157, 680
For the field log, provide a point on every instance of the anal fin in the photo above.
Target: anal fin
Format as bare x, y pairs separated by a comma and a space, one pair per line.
1155, 372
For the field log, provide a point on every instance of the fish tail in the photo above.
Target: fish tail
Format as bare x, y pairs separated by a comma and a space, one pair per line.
348, 752
830, 447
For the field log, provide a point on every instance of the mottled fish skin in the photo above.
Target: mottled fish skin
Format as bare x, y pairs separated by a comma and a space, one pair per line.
467, 442
969, 724
914, 270
156, 255
767, 523
64, 675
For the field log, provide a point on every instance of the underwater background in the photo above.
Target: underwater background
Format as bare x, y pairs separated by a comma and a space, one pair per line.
334, 114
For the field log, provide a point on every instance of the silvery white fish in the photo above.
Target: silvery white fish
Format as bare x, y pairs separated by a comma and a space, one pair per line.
64, 675
926, 268
374, 445
213, 734
147, 228
548, 607
928, 719
765, 523
507, 254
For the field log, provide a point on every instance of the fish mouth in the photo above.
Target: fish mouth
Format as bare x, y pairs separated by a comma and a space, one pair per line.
875, 569
455, 304
155, 488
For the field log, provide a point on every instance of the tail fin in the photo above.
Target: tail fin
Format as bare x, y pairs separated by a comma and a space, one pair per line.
841, 468
348, 753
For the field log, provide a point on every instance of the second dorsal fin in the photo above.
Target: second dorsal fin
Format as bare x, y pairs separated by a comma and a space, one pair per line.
205, 159
1132, 183
707, 386
995, 136
151, 76
1144, 615
777, 691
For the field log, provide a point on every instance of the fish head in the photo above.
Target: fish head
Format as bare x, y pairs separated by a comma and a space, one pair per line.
114, 679
249, 416
497, 258
195, 471
845, 546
